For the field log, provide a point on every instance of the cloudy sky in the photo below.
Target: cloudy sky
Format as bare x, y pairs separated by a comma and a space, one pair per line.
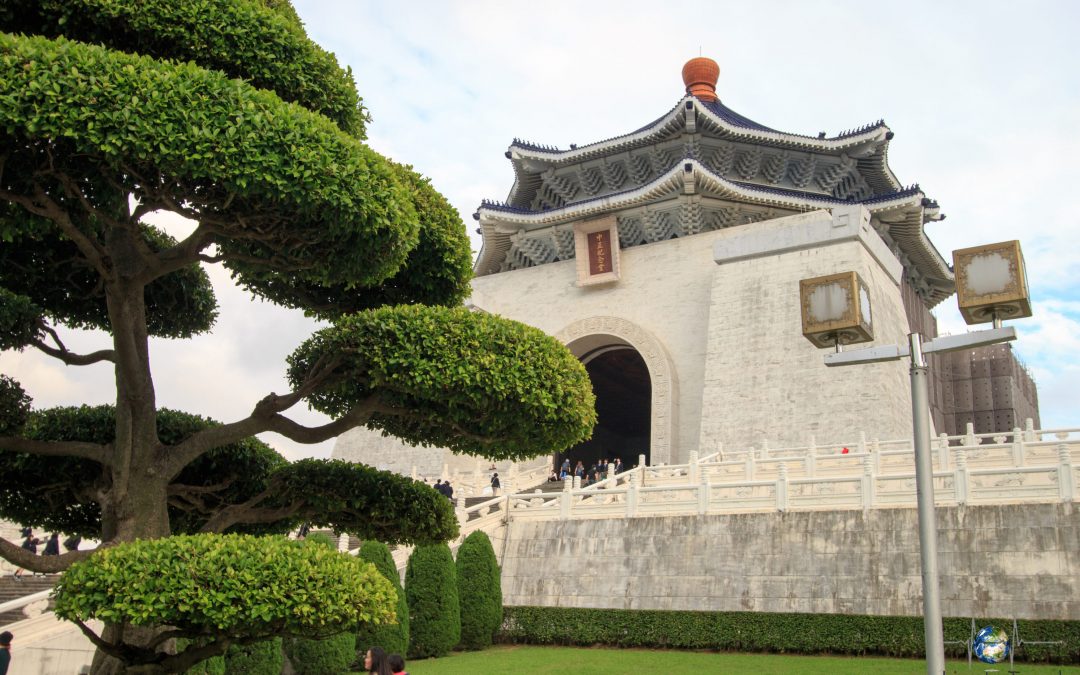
983, 99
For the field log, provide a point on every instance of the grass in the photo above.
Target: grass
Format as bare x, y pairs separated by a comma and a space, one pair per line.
526, 660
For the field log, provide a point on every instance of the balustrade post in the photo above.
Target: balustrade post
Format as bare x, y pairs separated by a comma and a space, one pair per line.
462, 517
749, 470
631, 497
565, 500
867, 483
811, 464
413, 474
577, 482
694, 470
1066, 489
862, 441
445, 475
1029, 430
1017, 448
875, 445
703, 496
960, 476
781, 487
943, 455
343, 542
641, 460
969, 435
812, 445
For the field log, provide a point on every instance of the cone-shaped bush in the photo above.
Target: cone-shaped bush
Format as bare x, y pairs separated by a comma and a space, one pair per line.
394, 638
431, 591
479, 591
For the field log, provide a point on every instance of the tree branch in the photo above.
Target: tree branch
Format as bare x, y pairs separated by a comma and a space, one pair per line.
109, 648
92, 451
62, 353
46, 564
43, 205
248, 514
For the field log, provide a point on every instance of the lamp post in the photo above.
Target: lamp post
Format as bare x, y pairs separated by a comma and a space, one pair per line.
991, 284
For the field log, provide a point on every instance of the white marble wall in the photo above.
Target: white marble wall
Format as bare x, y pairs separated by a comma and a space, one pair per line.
732, 331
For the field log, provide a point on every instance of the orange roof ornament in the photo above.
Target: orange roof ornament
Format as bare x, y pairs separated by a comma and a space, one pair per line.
700, 75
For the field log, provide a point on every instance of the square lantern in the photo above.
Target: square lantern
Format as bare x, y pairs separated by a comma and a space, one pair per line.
991, 282
836, 310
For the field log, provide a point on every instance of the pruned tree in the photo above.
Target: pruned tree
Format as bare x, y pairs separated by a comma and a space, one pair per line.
224, 112
479, 584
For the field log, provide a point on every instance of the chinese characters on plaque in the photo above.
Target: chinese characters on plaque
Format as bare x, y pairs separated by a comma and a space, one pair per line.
596, 244
599, 252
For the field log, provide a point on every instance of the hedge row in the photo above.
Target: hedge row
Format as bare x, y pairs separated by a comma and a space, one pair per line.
897, 636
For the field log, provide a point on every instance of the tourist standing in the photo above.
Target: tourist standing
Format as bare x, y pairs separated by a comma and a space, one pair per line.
495, 484
52, 547
397, 664
5, 651
375, 662
448, 490
29, 544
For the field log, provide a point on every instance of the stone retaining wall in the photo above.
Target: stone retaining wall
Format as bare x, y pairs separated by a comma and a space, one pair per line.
1019, 561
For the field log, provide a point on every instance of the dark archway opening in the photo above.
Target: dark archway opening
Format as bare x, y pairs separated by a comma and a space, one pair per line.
623, 390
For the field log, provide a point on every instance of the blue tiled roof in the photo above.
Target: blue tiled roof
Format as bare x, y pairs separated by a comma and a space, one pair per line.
731, 117
715, 107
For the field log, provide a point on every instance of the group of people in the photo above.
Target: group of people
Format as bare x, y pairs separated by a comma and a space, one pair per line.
444, 488
378, 662
595, 473
52, 546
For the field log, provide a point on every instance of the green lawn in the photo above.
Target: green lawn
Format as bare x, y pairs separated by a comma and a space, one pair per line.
550, 660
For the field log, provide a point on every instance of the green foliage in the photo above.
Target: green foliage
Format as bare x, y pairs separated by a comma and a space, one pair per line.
320, 539
57, 493
393, 637
365, 502
437, 271
259, 658
19, 317
45, 270
241, 586
14, 406
262, 42
431, 593
479, 591
465, 380
331, 656
899, 636
328, 209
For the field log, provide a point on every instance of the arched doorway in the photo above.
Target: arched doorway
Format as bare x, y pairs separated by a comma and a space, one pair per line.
623, 390
594, 335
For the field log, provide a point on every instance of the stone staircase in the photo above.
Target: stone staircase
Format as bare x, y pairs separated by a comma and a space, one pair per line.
13, 589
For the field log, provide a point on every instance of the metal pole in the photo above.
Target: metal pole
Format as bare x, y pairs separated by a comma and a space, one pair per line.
924, 486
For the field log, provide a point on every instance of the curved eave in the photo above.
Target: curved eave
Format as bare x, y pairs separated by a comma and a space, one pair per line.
675, 120
903, 211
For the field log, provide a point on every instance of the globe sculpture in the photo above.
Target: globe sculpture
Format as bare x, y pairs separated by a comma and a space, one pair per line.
992, 645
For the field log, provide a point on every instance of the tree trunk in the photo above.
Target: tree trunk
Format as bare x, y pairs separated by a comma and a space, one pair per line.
135, 505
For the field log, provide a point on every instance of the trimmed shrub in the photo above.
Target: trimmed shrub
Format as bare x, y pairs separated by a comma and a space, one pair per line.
259, 658
331, 656
236, 586
431, 592
896, 636
479, 591
394, 638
